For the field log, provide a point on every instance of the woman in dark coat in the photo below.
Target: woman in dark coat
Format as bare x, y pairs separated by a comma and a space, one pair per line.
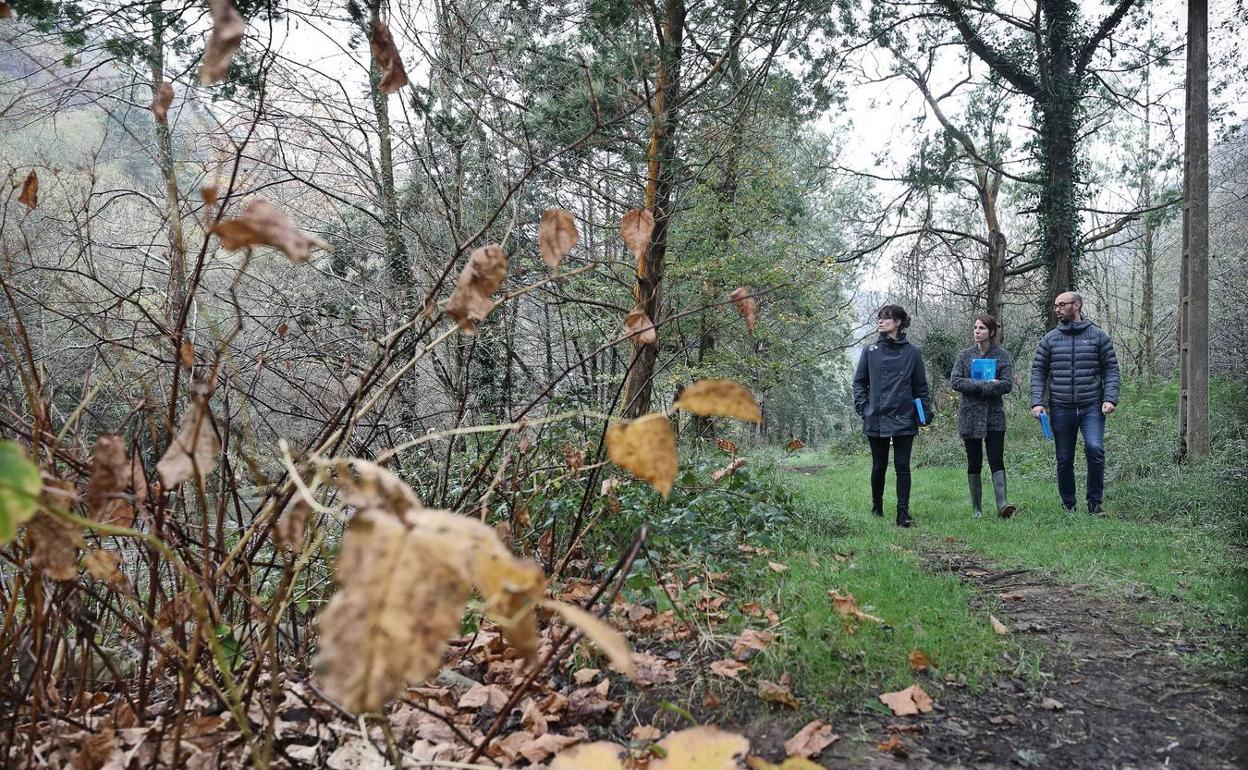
981, 413
889, 378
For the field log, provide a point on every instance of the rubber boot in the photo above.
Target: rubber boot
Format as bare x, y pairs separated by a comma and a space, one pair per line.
903, 517
1005, 509
976, 485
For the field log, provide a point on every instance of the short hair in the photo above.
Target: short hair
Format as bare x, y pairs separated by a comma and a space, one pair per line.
993, 325
896, 313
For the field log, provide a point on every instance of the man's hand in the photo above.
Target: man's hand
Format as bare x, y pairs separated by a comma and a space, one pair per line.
1036, 411
1107, 408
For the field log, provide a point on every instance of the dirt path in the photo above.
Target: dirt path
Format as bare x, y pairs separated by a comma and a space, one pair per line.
1114, 693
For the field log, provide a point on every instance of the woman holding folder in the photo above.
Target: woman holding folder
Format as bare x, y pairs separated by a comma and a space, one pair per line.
890, 393
983, 373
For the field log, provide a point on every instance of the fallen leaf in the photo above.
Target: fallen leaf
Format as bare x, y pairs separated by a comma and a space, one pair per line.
777, 567
651, 670
907, 702
646, 447
541, 747
998, 626
1050, 704
641, 329
482, 695
636, 228
585, 675
728, 668
386, 57
590, 756
729, 469
792, 763
726, 445
811, 740
905, 729
752, 640
355, 753
723, 398
773, 692
590, 703
919, 661
262, 224
95, 751
193, 452
753, 609
29, 196
700, 748
556, 235
747, 306
847, 607
104, 566
794, 445
894, 746
470, 302
606, 638
710, 701
1004, 719
647, 733
161, 99
227, 34
1011, 597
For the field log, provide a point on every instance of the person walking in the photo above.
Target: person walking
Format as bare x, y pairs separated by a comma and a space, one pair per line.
1076, 365
889, 378
982, 374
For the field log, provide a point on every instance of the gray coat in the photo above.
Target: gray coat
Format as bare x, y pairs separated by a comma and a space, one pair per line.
889, 378
1076, 364
980, 409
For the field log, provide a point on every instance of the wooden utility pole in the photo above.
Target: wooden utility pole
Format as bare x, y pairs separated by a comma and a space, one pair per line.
1194, 280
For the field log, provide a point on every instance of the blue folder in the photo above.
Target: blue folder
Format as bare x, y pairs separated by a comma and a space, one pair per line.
918, 404
983, 369
1045, 426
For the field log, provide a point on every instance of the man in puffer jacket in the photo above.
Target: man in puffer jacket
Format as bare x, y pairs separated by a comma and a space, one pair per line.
1075, 363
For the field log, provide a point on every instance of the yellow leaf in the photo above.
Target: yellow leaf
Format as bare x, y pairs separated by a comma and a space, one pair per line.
700, 748
719, 397
557, 235
470, 302
647, 448
998, 626
610, 641
602, 755
792, 763
636, 228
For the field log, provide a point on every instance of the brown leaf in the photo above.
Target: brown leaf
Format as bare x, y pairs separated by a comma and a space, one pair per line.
753, 609
540, 748
110, 471
104, 566
365, 484
282, 328
587, 703
894, 746
186, 353
386, 56
722, 398
647, 733
95, 751
288, 531
56, 543
194, 449
585, 675
726, 445
557, 235
30, 191
700, 748
470, 302
652, 670
919, 661
482, 695
6, 11
998, 626
647, 448
590, 756
640, 328
729, 469
637, 227
752, 640
794, 445
728, 668
777, 567
747, 306
161, 99
227, 33
847, 607
138, 483
773, 692
811, 740
606, 638
262, 224
912, 700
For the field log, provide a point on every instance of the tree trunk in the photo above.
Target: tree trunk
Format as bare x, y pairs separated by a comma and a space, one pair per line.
1194, 315
398, 268
994, 292
165, 160
1058, 106
660, 181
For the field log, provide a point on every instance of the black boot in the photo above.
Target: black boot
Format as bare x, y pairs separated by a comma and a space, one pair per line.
976, 485
877, 508
903, 516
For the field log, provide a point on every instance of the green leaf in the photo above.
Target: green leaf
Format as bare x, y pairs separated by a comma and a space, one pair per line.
19, 490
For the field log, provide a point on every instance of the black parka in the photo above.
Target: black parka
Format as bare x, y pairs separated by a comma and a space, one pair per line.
1076, 364
890, 376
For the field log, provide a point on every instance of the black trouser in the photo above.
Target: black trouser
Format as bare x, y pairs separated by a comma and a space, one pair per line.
975, 452
879, 467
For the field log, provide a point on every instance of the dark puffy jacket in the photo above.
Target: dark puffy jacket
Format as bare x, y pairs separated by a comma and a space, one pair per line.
1076, 363
981, 408
890, 376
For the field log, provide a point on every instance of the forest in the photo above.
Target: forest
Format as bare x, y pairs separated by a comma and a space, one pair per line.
482, 384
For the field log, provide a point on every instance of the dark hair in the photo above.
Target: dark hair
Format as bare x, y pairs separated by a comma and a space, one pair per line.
896, 313
991, 323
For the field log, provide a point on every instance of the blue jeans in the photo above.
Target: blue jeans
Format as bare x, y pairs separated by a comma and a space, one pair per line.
1066, 422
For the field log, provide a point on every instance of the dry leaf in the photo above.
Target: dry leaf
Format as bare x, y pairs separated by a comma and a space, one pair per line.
556, 235
729, 469
186, 353
912, 700
161, 99
752, 640
726, 445
365, 484
6, 11
262, 224
1051, 704
288, 531
753, 609
110, 471
719, 397
637, 227
773, 692
602, 755
640, 328
227, 34
777, 567
194, 449
811, 740
470, 302
606, 638
355, 753
95, 751
104, 566
56, 543
648, 733
700, 748
794, 445
919, 661
792, 763
30, 191
847, 607
747, 306
728, 668
646, 447
386, 57
484, 695
584, 676
282, 328
998, 626
894, 746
